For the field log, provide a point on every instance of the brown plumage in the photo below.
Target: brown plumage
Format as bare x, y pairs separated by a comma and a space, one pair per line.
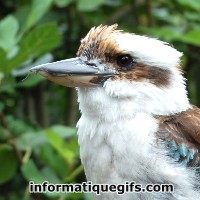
184, 129
99, 43
142, 73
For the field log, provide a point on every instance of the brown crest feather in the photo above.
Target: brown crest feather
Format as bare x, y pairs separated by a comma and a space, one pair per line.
99, 43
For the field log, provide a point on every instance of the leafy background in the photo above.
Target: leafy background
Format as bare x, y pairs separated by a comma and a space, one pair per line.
38, 138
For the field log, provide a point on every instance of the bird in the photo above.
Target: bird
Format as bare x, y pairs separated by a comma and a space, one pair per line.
136, 123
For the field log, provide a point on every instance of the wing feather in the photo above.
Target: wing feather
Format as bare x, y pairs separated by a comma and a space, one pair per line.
181, 135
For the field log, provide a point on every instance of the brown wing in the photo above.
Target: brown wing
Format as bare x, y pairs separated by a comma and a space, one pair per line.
181, 134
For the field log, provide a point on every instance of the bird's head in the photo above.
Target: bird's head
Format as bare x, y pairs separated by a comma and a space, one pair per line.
123, 64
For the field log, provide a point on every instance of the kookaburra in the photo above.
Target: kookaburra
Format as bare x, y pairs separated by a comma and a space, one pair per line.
137, 123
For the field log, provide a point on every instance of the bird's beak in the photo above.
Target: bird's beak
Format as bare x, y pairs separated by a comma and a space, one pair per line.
74, 73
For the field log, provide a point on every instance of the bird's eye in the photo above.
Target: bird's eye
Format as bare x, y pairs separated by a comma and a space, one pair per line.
124, 61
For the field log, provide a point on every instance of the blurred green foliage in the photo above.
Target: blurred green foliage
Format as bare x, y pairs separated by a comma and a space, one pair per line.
32, 146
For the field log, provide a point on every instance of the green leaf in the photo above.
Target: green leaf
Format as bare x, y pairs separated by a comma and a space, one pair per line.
23, 71
192, 37
3, 59
64, 131
54, 160
192, 16
62, 3
4, 136
2, 106
31, 81
52, 178
32, 173
17, 126
60, 145
34, 139
22, 13
167, 33
193, 4
8, 85
50, 174
38, 10
89, 5
8, 29
31, 140
8, 164
38, 42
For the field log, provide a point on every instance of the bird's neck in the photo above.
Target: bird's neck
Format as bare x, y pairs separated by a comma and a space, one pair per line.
102, 104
